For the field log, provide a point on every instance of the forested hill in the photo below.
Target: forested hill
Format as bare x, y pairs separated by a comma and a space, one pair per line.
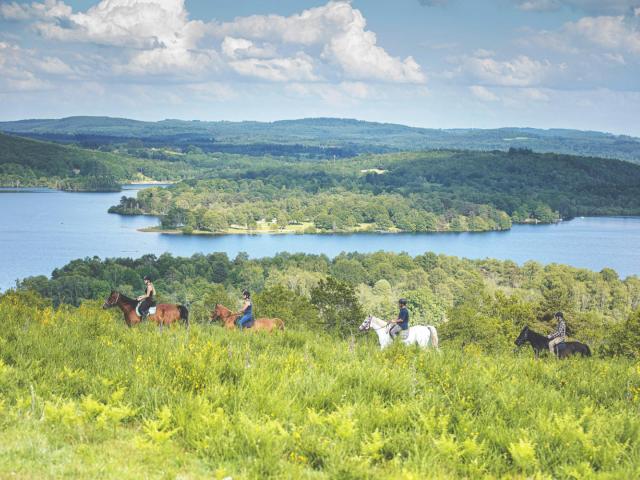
321, 136
409, 191
28, 162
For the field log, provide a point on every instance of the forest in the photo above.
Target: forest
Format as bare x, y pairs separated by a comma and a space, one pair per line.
318, 136
411, 191
27, 162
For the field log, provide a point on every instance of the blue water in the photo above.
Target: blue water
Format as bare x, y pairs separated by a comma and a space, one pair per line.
43, 229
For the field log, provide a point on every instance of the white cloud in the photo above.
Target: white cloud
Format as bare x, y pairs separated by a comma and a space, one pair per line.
157, 37
520, 71
534, 94
350, 93
160, 28
297, 68
598, 7
53, 66
18, 70
215, 91
14, 11
483, 93
614, 35
242, 48
339, 30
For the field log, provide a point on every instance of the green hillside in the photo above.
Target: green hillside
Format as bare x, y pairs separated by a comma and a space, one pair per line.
27, 162
331, 136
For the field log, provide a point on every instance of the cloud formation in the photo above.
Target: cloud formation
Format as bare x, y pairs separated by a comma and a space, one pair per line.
612, 36
21, 70
520, 71
595, 7
338, 31
329, 42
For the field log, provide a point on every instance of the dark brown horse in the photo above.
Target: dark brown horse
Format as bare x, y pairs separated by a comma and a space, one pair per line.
166, 313
220, 312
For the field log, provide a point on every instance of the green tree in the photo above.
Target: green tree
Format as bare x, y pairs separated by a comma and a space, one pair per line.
279, 302
338, 305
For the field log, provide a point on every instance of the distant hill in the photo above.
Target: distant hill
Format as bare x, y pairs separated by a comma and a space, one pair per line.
28, 162
321, 136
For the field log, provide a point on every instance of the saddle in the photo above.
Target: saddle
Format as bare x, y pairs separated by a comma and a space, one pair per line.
152, 310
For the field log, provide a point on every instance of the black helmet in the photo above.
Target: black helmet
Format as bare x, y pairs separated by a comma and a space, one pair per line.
558, 315
402, 301
245, 293
147, 277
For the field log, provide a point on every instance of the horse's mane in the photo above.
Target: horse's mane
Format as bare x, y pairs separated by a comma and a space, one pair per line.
536, 335
223, 308
378, 320
128, 300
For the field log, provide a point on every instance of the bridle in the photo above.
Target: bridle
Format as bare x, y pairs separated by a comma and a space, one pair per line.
369, 327
115, 302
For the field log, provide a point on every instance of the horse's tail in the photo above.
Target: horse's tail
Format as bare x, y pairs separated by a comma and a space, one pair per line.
434, 336
587, 350
184, 314
280, 324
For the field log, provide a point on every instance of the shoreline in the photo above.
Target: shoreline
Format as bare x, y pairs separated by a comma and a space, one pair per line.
151, 182
302, 232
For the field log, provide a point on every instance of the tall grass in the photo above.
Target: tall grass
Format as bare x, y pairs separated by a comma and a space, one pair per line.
83, 396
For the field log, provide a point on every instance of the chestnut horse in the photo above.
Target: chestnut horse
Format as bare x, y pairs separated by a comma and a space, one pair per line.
166, 314
229, 318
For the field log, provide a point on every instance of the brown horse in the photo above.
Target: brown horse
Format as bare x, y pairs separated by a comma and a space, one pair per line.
220, 312
166, 314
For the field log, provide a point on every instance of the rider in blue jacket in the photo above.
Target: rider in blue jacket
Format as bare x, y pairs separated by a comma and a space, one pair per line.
401, 324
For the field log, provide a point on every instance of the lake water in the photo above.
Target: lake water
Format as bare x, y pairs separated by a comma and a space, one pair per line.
42, 229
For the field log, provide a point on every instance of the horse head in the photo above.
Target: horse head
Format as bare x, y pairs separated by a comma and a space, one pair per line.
112, 299
523, 337
220, 312
366, 325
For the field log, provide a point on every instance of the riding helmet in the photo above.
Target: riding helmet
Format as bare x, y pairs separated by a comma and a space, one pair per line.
245, 293
558, 315
147, 277
402, 301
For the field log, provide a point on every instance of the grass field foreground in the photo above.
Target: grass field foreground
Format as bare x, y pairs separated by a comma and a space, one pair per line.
82, 396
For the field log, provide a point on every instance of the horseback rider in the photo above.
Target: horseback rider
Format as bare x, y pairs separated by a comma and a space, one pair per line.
560, 334
146, 300
246, 320
400, 324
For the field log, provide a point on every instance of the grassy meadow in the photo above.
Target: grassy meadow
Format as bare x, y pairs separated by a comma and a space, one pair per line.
82, 396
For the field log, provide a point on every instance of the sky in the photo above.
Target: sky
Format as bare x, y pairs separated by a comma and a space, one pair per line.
428, 63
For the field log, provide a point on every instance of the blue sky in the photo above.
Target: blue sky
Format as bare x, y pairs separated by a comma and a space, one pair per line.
431, 63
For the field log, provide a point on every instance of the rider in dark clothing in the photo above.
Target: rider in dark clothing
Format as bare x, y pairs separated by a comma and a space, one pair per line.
146, 300
401, 324
246, 320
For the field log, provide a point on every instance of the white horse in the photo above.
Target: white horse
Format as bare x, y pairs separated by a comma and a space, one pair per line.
419, 334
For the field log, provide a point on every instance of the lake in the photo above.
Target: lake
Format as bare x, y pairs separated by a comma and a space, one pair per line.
42, 229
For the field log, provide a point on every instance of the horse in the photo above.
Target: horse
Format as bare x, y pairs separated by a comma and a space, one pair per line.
165, 314
421, 335
541, 342
565, 349
220, 312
